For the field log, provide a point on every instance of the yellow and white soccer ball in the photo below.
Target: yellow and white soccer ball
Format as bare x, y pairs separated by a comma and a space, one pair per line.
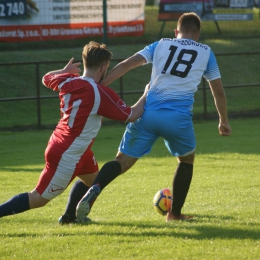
162, 201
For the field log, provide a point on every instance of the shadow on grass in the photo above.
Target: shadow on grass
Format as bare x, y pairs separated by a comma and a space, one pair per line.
200, 228
21, 169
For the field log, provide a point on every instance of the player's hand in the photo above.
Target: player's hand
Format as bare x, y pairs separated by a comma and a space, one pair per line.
72, 67
224, 129
147, 87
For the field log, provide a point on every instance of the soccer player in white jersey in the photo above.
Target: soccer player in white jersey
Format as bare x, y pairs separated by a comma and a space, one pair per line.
178, 66
83, 103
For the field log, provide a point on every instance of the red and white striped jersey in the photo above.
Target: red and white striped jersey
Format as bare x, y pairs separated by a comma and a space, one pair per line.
83, 104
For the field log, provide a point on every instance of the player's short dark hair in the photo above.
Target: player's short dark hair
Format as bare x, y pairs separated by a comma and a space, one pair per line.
189, 23
95, 54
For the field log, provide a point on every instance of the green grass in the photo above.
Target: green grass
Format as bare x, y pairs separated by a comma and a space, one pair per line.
224, 198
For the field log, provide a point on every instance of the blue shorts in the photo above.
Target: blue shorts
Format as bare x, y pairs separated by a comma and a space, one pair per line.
174, 127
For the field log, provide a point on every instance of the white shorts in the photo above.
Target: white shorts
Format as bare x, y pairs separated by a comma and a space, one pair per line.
62, 167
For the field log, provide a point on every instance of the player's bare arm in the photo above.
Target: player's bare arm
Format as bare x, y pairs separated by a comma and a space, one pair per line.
138, 107
121, 68
221, 106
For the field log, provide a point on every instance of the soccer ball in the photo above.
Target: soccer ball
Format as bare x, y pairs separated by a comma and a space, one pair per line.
162, 201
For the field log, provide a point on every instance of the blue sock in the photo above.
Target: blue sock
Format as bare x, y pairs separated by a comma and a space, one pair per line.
15, 205
77, 191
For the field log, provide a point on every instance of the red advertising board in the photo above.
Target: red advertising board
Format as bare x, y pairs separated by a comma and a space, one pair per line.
39, 20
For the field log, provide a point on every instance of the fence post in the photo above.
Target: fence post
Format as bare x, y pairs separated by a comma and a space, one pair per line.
38, 95
104, 21
204, 98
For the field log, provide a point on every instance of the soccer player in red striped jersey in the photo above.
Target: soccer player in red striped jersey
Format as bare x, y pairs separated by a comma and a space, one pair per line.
83, 104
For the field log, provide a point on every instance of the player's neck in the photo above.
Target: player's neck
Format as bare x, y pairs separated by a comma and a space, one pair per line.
188, 36
185, 36
91, 74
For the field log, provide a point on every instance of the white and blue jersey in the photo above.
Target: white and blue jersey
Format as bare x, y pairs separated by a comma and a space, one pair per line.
178, 65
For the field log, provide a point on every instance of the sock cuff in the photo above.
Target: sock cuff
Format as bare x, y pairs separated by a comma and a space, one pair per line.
116, 165
23, 199
108, 173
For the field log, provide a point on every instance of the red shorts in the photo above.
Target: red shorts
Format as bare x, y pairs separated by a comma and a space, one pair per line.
62, 167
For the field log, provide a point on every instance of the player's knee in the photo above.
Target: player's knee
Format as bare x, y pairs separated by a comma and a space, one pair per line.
36, 200
187, 159
125, 161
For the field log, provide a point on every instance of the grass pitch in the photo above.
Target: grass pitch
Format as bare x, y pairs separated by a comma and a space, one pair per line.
224, 198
